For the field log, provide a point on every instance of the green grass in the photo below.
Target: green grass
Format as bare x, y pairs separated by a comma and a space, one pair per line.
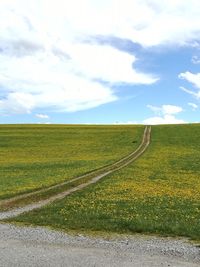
37, 156
157, 194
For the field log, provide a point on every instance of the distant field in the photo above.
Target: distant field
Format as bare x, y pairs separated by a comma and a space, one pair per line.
159, 193
37, 156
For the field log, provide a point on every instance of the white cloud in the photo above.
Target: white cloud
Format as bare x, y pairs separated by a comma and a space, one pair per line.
59, 93
167, 115
42, 116
188, 91
48, 122
125, 122
167, 119
191, 77
148, 22
17, 103
194, 79
165, 109
46, 63
195, 60
44, 56
156, 110
170, 109
107, 63
194, 106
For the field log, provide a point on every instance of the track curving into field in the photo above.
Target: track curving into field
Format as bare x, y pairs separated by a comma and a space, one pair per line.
94, 172
95, 177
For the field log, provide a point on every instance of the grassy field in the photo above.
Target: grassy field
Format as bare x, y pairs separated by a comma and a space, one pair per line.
37, 156
159, 193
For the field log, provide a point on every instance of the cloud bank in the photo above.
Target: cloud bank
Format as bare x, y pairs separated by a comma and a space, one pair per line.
166, 115
47, 63
51, 57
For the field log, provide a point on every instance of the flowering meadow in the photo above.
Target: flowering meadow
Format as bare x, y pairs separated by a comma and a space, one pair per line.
157, 194
38, 156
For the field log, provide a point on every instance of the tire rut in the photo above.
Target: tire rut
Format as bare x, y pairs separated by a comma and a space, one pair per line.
104, 172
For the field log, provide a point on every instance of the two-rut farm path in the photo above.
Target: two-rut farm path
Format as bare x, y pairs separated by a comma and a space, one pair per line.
38, 246
93, 178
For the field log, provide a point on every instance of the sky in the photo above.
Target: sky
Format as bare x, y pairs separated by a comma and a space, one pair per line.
100, 61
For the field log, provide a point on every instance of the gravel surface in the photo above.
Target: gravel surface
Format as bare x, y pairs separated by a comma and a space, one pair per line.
27, 246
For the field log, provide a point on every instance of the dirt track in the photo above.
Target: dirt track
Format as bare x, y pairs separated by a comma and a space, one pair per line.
146, 136
104, 172
27, 246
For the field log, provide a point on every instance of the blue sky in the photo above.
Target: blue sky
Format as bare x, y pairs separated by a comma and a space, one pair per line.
62, 63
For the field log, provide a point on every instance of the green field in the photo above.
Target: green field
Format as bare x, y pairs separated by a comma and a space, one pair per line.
38, 156
158, 194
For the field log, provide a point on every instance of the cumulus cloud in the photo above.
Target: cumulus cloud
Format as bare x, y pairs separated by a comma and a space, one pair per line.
47, 61
193, 105
155, 109
148, 22
17, 103
62, 55
195, 60
42, 116
194, 79
19, 48
170, 109
166, 115
167, 119
58, 93
166, 109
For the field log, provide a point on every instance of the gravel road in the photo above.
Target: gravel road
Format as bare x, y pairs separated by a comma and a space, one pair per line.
27, 246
